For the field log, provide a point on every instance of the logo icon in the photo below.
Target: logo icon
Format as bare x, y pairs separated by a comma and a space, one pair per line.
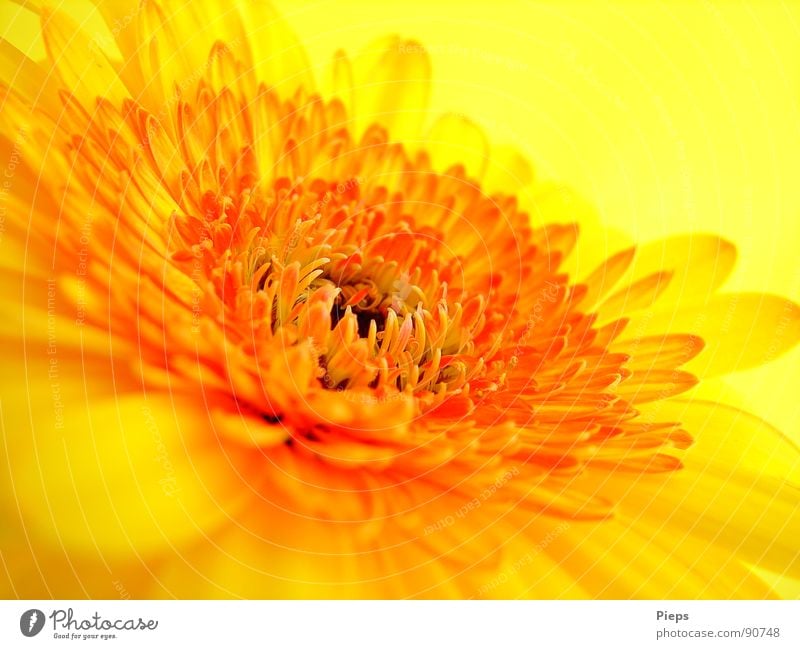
31, 622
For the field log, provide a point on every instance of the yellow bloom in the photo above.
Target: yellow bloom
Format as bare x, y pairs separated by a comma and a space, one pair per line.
267, 341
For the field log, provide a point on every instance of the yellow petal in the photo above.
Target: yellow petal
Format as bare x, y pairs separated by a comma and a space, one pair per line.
739, 330
731, 437
24, 75
339, 81
548, 203
509, 171
605, 277
400, 546
731, 500
392, 86
130, 475
279, 57
83, 68
638, 295
699, 264
31, 568
455, 140
664, 352
618, 560
739, 516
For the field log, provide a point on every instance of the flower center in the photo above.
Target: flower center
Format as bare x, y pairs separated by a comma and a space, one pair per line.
365, 317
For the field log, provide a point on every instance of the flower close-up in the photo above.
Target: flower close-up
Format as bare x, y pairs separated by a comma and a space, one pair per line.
273, 328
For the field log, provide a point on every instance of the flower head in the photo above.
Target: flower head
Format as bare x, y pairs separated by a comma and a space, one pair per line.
285, 349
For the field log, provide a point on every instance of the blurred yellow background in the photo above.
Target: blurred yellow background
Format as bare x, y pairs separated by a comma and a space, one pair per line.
670, 117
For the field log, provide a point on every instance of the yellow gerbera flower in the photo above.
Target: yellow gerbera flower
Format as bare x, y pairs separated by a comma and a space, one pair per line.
266, 341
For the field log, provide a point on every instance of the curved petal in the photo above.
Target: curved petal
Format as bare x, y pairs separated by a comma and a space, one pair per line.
626, 559
392, 80
547, 203
128, 476
739, 330
279, 57
508, 171
339, 81
633, 297
83, 67
699, 263
732, 438
606, 276
695, 265
24, 75
456, 141
732, 500
276, 552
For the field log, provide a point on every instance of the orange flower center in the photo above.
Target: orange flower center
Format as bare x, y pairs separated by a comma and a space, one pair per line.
350, 300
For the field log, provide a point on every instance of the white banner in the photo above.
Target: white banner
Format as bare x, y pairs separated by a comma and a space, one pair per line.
398, 624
